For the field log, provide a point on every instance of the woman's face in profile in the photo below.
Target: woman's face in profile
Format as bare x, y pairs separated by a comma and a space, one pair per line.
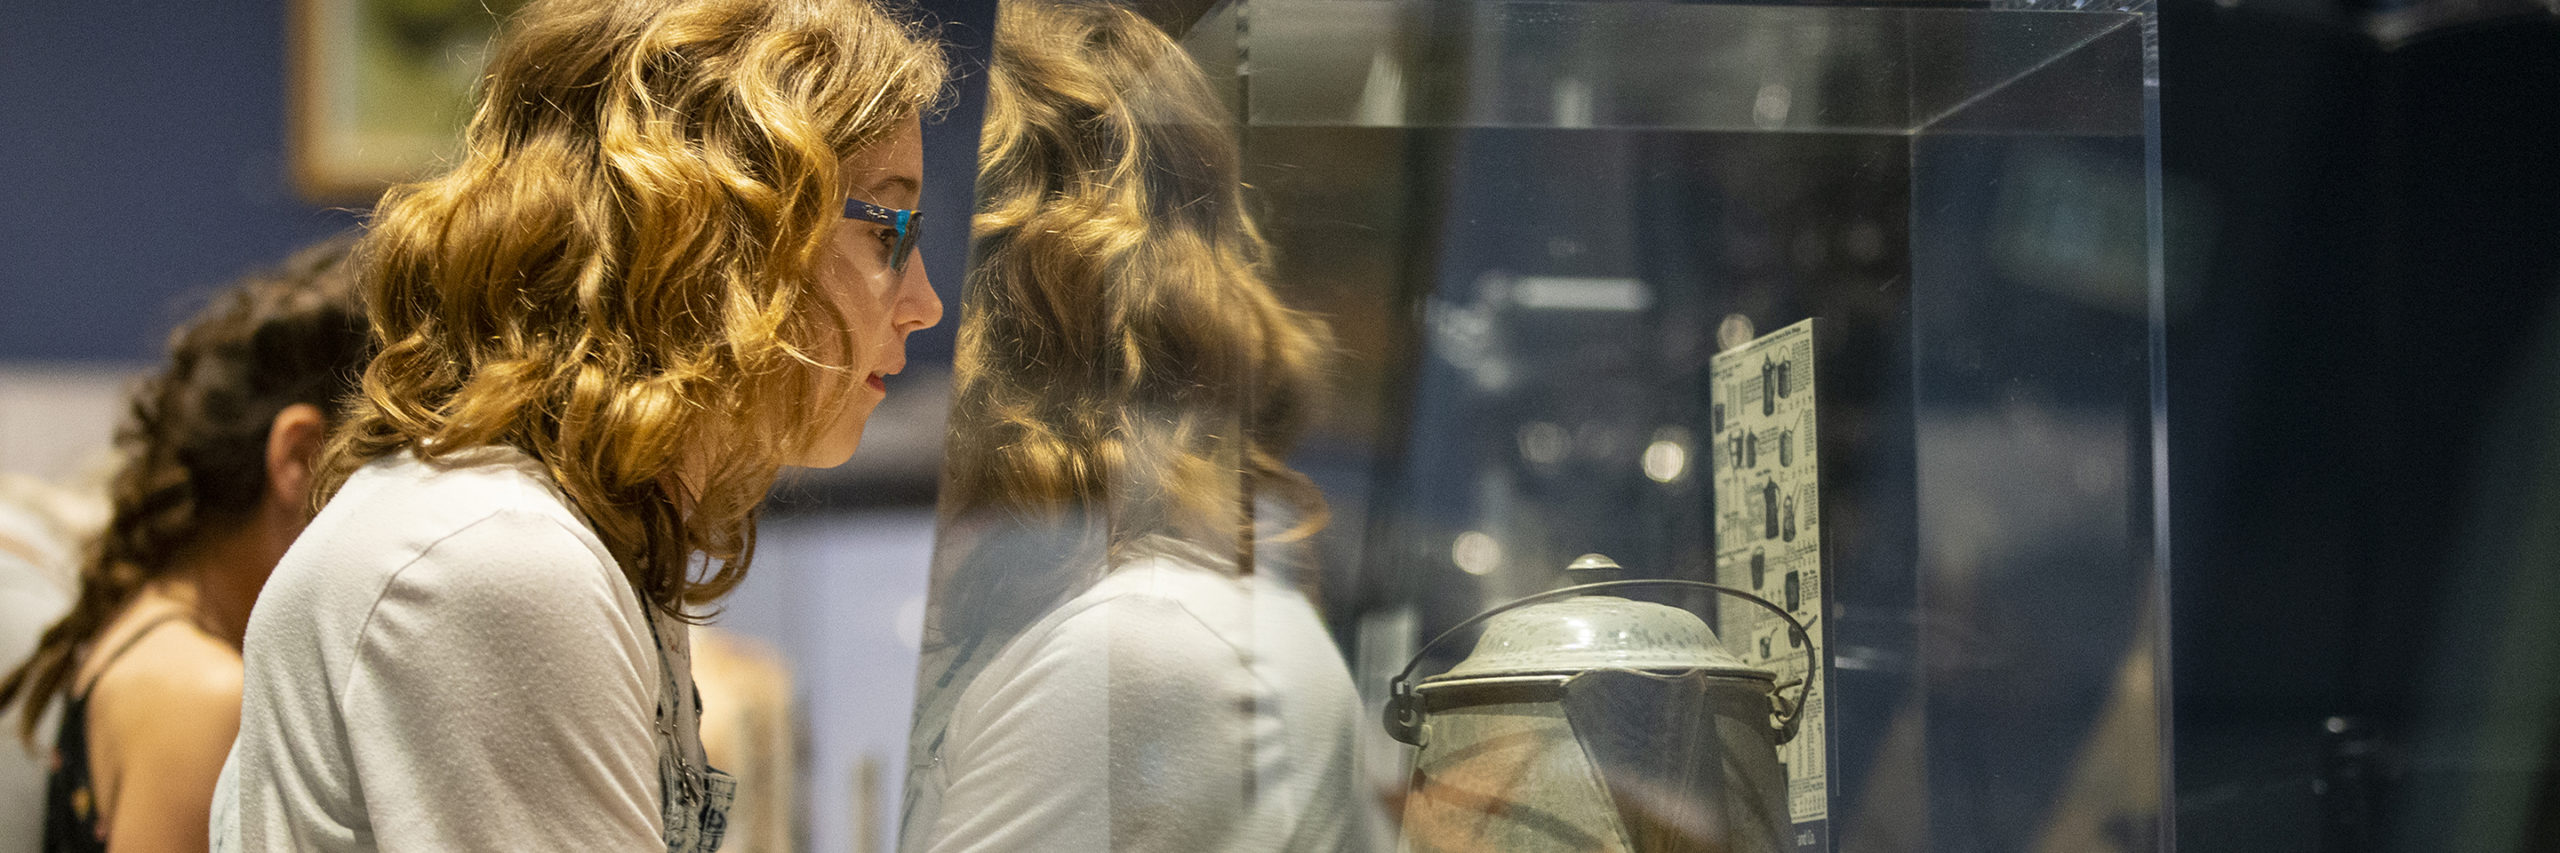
879, 304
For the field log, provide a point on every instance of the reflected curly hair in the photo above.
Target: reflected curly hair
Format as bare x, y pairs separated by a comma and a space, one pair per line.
192, 450
1123, 352
618, 275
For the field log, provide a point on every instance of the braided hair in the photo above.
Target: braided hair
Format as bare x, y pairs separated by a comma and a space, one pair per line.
193, 445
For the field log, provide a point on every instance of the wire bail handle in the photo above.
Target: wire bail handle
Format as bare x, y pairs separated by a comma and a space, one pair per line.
1404, 707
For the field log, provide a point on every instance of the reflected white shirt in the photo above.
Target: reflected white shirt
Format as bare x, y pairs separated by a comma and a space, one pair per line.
1172, 707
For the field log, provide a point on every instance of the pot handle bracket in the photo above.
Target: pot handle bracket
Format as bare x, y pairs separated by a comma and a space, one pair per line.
1404, 707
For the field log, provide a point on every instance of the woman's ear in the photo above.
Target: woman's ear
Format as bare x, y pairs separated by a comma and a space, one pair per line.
293, 448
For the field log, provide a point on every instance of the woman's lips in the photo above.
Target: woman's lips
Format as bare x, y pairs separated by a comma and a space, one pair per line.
876, 383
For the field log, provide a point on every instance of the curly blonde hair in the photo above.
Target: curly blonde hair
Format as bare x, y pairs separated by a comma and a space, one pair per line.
1124, 366
619, 273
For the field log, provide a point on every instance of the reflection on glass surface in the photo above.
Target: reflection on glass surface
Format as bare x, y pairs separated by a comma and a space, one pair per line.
1119, 654
1532, 220
1590, 270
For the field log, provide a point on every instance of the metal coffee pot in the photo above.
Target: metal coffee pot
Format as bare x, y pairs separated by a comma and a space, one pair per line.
1589, 722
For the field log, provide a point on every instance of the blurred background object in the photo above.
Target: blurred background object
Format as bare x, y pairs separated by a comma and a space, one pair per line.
379, 87
42, 527
751, 729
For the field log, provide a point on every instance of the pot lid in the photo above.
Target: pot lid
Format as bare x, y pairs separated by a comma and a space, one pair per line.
1596, 631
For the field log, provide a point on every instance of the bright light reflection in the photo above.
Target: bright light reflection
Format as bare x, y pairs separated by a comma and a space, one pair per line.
1544, 443
1476, 553
1769, 110
1665, 461
908, 623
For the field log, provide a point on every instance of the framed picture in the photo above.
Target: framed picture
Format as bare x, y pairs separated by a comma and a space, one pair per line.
380, 89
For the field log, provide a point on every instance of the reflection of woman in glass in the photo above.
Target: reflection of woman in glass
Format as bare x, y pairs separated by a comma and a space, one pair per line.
1117, 658
214, 484
673, 259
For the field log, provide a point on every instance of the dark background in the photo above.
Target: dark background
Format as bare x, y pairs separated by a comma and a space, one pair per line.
2364, 254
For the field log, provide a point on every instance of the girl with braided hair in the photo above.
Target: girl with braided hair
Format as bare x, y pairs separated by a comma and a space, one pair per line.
218, 452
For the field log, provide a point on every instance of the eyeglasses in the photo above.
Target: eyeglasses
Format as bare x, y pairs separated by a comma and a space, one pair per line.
907, 222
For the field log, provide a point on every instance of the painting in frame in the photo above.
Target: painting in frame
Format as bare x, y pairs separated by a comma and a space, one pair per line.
380, 89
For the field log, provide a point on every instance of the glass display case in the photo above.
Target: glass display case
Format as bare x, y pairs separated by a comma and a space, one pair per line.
1825, 335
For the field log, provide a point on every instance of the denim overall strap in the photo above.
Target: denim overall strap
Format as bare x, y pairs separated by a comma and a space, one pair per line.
694, 797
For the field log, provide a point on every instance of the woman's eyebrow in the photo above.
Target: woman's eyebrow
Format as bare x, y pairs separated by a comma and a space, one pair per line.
911, 185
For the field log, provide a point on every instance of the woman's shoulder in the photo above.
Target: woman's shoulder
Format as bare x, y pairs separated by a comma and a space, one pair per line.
454, 487
400, 508
171, 682
1169, 629
1159, 609
482, 524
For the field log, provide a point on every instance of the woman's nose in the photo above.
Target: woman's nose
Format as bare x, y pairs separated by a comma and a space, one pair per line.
918, 306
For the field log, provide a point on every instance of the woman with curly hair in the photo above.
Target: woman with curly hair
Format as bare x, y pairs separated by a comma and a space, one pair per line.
217, 455
677, 255
1122, 654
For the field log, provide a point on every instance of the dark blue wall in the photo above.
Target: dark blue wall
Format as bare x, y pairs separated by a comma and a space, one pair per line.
143, 162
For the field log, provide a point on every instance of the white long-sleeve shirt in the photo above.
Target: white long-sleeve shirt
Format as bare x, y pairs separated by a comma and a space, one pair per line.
448, 659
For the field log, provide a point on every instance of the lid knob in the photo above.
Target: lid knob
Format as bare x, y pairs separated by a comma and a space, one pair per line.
1592, 562
1591, 568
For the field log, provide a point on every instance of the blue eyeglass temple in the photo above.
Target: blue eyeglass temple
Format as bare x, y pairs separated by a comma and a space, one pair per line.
907, 222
